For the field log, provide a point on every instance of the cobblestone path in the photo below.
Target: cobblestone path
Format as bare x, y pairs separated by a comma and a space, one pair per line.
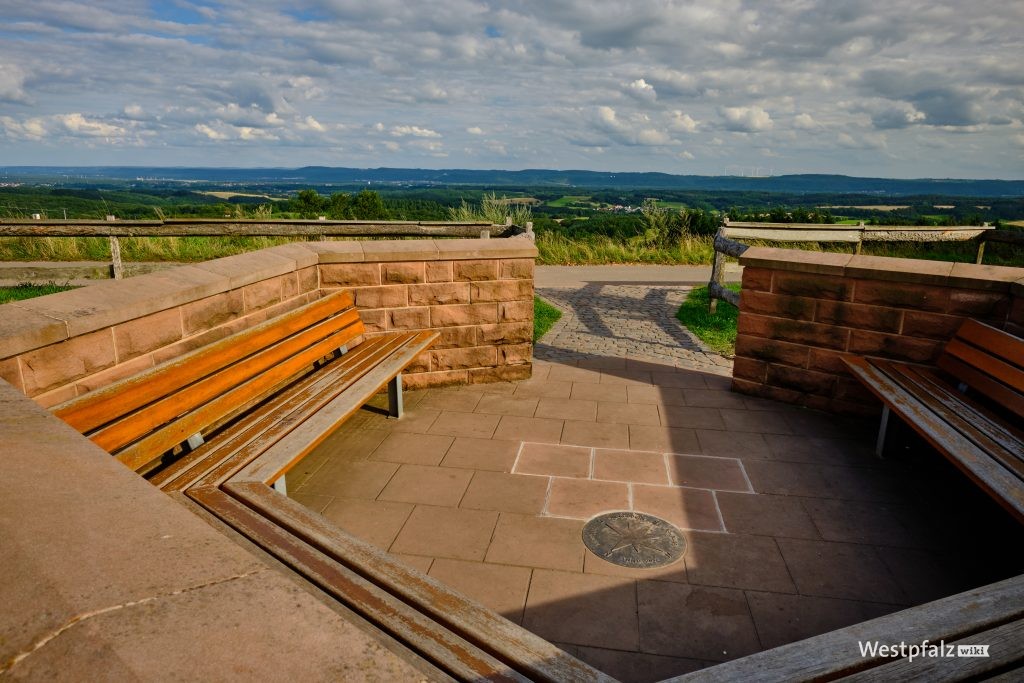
601, 321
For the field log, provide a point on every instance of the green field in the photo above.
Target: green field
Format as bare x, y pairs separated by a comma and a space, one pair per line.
569, 200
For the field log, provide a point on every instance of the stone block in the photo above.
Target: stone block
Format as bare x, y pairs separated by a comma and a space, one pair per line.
399, 250
408, 318
458, 336
501, 290
515, 354
515, 311
245, 269
402, 273
212, 311
56, 396
795, 260
894, 346
771, 350
824, 360
502, 373
749, 369
973, 276
62, 363
389, 296
506, 333
475, 270
899, 269
458, 359
798, 332
439, 271
516, 269
308, 279
930, 325
421, 363
975, 303
101, 379
262, 294
349, 274
860, 316
147, 334
813, 286
10, 372
901, 295
799, 379
439, 293
336, 251
463, 314
480, 249
23, 330
759, 279
374, 320
422, 380
795, 307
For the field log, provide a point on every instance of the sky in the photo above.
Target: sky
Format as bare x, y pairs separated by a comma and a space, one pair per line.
893, 88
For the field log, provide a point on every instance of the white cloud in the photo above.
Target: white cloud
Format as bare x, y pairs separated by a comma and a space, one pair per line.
642, 90
747, 119
805, 121
210, 132
682, 122
475, 130
414, 131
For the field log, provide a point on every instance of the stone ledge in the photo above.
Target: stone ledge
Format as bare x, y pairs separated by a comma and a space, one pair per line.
186, 599
941, 273
33, 323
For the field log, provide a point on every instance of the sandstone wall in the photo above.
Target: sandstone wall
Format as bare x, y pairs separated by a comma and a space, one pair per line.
801, 312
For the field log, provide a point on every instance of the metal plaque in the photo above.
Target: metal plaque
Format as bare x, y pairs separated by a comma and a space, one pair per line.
633, 539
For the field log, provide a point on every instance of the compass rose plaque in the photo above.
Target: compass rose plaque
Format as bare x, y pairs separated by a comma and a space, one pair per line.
634, 539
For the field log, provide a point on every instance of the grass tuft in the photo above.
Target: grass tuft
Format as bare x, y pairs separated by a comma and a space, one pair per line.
25, 290
717, 330
544, 316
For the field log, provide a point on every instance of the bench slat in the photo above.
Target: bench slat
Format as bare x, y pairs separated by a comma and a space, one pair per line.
261, 423
832, 655
997, 391
987, 363
237, 446
998, 342
155, 443
102, 405
1006, 648
334, 332
945, 403
526, 651
973, 461
294, 446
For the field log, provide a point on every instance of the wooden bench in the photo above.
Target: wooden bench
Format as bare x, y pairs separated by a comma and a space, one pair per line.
222, 424
970, 408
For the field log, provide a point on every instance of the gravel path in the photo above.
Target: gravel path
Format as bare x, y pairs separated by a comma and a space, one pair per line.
624, 321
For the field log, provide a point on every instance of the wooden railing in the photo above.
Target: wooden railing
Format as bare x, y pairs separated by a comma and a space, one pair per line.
114, 229
726, 244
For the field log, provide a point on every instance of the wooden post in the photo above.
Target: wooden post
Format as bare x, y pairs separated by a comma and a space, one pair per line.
981, 246
717, 278
860, 242
485, 234
116, 267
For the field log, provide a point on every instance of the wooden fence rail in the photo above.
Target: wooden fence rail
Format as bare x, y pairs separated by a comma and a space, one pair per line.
726, 244
218, 227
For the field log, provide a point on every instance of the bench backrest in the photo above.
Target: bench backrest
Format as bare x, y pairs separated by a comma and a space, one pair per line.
989, 360
141, 417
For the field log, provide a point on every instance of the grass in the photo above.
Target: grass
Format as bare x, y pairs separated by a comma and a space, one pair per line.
544, 316
558, 250
717, 330
28, 291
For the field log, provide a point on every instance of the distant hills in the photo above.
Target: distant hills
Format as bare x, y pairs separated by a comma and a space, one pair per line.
326, 175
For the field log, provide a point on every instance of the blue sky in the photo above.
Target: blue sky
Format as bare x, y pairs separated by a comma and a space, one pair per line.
900, 88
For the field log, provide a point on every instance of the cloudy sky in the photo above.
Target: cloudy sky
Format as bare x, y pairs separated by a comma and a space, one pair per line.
902, 88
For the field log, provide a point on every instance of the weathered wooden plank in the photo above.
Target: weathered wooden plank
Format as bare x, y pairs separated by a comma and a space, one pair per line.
1006, 649
995, 480
524, 651
795, 233
236, 228
979, 359
266, 365
998, 342
983, 383
238, 446
98, 407
292, 447
437, 644
833, 655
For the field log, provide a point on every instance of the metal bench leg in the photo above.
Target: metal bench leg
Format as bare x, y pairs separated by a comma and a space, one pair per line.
281, 486
395, 396
882, 429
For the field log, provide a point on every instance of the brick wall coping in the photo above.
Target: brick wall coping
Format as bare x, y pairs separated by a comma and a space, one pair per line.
34, 323
106, 575
964, 275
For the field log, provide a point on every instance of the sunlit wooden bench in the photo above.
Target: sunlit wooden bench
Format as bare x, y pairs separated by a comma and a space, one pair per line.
970, 407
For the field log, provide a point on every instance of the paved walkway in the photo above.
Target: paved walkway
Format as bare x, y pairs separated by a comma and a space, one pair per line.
793, 527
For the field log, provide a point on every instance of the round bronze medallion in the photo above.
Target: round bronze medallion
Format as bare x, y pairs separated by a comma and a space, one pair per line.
633, 539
